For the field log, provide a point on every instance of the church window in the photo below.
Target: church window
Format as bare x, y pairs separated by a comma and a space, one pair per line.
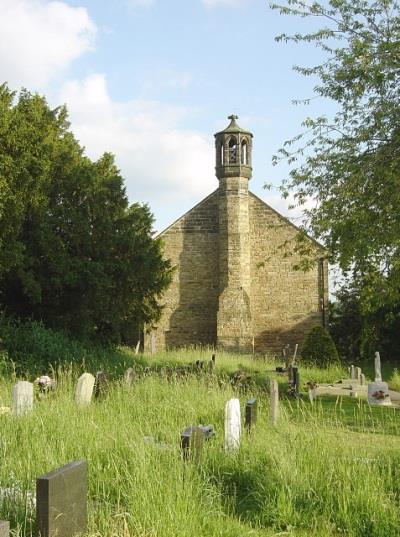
232, 151
221, 153
244, 153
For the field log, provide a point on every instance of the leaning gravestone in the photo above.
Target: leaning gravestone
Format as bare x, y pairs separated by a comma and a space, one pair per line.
232, 424
4, 528
61, 501
274, 401
22, 400
84, 389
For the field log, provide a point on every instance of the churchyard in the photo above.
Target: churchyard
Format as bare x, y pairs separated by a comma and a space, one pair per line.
310, 464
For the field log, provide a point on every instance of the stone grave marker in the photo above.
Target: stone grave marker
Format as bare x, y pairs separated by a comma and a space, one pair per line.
358, 374
362, 379
84, 389
274, 401
192, 440
296, 380
251, 413
4, 528
129, 376
352, 372
233, 425
22, 400
61, 501
101, 385
378, 371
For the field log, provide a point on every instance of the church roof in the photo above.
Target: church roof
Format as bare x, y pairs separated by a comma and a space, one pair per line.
233, 127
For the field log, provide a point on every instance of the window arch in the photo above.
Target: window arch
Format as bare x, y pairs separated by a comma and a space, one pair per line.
244, 153
221, 153
232, 151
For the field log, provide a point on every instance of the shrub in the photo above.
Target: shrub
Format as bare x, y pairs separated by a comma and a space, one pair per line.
319, 348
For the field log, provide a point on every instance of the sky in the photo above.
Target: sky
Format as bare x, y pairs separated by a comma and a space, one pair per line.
152, 81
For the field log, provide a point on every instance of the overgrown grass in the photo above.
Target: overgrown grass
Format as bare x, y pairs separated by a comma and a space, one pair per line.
328, 469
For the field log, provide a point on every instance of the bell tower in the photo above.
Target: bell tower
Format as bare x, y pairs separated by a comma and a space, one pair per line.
233, 170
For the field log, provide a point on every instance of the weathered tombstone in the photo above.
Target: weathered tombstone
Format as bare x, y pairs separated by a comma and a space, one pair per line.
61, 501
232, 425
129, 376
353, 372
100, 384
192, 440
378, 394
274, 401
22, 401
153, 348
296, 381
84, 389
4, 528
378, 371
362, 379
358, 375
251, 413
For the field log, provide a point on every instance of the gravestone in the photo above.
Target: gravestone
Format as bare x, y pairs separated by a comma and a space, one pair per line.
4, 528
362, 379
274, 401
61, 501
232, 425
192, 440
129, 376
100, 384
251, 413
353, 372
84, 389
22, 400
296, 381
378, 394
358, 375
378, 371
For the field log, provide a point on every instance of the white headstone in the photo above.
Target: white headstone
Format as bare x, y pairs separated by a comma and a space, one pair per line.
22, 400
232, 424
274, 401
352, 372
84, 389
378, 394
378, 372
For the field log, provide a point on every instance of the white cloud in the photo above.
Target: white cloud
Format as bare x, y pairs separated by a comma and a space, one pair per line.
160, 161
39, 39
228, 3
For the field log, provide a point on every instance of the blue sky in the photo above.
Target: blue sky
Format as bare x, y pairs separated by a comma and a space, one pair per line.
152, 80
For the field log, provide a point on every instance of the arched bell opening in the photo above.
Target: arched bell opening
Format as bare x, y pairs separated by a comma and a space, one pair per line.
232, 150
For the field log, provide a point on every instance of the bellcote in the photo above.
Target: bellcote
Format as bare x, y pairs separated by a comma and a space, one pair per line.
233, 148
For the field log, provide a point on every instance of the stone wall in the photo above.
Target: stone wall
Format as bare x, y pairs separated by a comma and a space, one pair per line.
285, 303
191, 302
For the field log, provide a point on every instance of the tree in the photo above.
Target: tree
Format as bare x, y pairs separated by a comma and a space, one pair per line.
73, 253
318, 348
350, 162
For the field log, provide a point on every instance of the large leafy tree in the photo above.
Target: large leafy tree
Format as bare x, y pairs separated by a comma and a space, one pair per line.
73, 253
349, 163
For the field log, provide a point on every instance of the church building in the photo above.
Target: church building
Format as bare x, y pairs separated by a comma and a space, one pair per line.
235, 286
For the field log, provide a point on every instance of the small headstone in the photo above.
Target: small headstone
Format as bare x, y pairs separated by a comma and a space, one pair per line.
378, 371
84, 389
362, 379
4, 528
100, 384
296, 380
353, 372
232, 425
251, 413
274, 401
378, 394
129, 376
61, 501
192, 440
358, 375
22, 401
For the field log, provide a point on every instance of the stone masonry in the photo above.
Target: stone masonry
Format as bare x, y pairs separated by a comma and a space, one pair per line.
235, 286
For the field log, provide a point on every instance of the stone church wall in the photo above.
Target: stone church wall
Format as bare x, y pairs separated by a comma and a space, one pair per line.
191, 302
285, 303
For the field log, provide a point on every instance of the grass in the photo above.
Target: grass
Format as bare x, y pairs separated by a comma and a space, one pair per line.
330, 469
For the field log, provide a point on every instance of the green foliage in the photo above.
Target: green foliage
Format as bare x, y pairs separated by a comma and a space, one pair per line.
349, 163
346, 323
73, 253
319, 348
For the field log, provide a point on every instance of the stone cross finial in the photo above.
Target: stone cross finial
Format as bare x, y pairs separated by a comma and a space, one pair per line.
233, 117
